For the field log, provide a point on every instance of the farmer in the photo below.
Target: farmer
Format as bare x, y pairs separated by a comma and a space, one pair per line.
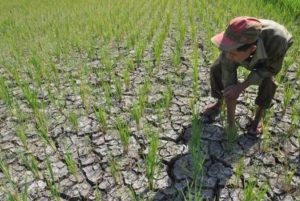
260, 46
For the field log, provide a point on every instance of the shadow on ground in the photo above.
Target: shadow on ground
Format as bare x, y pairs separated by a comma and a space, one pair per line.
219, 154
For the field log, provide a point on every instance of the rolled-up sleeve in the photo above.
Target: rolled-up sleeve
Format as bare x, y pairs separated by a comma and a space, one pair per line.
229, 71
264, 70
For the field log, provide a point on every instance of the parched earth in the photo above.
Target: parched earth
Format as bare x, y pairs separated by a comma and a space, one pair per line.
226, 173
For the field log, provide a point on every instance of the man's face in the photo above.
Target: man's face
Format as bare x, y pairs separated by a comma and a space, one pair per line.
240, 56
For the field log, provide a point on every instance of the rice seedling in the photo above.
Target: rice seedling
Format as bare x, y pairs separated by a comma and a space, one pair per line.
130, 65
97, 194
24, 194
158, 45
42, 129
195, 65
149, 69
252, 192
295, 118
119, 88
71, 163
30, 163
167, 97
194, 107
5, 171
239, 169
84, 92
11, 195
288, 177
152, 158
265, 144
31, 96
195, 149
193, 193
133, 195
143, 94
51, 181
114, 170
37, 68
107, 94
136, 114
124, 133
101, 118
20, 131
126, 78
157, 49
73, 119
287, 96
5, 95
140, 50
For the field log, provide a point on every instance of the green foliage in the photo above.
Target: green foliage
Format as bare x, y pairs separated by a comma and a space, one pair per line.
152, 158
71, 163
101, 118
124, 133
5, 94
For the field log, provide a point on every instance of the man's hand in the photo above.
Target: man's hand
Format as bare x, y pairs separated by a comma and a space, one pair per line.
233, 91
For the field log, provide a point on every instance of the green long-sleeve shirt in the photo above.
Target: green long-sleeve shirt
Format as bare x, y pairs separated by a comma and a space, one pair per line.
272, 45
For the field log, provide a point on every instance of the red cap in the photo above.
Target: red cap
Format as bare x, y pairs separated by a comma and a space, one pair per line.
240, 31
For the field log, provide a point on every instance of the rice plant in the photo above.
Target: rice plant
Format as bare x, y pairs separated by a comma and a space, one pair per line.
295, 118
252, 192
119, 88
114, 170
124, 133
140, 50
167, 97
195, 65
133, 195
51, 181
73, 119
71, 163
5, 171
143, 94
101, 118
20, 131
24, 194
5, 95
126, 77
288, 177
37, 71
136, 114
179, 37
30, 163
107, 94
195, 149
31, 97
97, 193
42, 129
239, 169
287, 96
152, 158
84, 92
